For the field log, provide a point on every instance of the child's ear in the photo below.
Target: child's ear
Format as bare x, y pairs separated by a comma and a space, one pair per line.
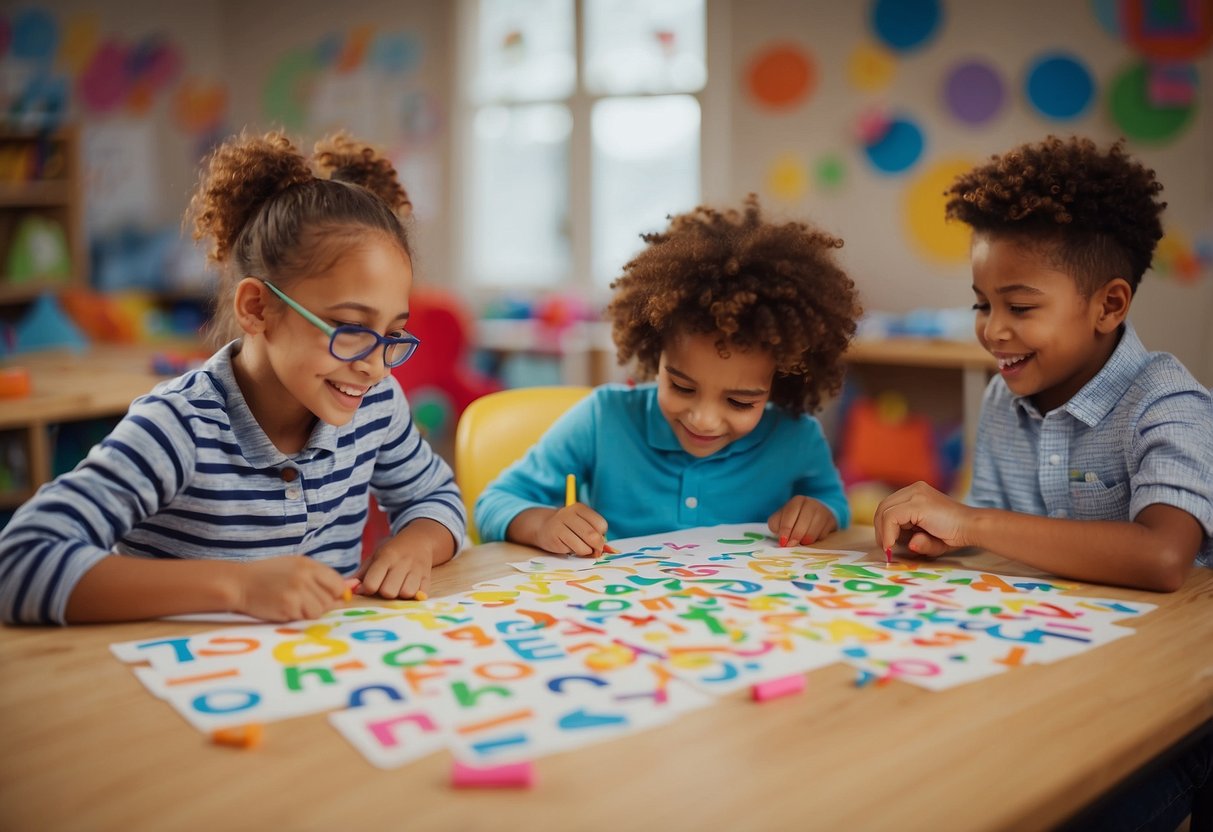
1113, 300
249, 305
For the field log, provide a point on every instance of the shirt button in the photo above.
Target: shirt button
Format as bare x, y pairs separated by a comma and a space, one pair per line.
289, 474
691, 502
294, 493
1055, 459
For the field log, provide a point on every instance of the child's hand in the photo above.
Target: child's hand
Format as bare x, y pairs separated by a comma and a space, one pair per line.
398, 569
802, 521
575, 529
928, 522
288, 588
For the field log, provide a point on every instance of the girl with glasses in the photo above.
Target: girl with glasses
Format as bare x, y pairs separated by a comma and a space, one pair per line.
243, 486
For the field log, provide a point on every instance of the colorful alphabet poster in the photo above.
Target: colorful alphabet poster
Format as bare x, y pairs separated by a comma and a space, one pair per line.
564, 652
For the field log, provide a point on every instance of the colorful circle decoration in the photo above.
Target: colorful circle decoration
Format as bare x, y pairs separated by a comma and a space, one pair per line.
787, 178
898, 149
1059, 86
79, 41
1141, 119
870, 68
781, 76
931, 234
830, 172
1172, 31
905, 25
973, 92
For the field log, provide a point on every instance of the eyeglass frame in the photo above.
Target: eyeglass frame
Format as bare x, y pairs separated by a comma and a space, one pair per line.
332, 332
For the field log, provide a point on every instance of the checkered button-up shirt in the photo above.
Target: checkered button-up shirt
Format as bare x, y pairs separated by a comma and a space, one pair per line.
1140, 432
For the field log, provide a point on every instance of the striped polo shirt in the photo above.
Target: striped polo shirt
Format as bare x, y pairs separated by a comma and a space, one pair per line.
189, 474
1140, 432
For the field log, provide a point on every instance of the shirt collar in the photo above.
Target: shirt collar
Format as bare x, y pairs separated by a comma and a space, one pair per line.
1099, 395
661, 436
254, 444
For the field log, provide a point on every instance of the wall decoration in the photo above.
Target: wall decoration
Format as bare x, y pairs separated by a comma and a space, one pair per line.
899, 148
973, 92
1131, 108
923, 204
788, 177
79, 42
35, 36
1169, 30
906, 25
871, 68
1107, 13
830, 172
1059, 86
781, 76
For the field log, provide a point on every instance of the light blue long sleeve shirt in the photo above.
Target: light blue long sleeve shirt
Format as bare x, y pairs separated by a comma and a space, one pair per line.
631, 470
1140, 432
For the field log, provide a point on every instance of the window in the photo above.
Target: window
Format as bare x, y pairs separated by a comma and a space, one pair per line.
581, 128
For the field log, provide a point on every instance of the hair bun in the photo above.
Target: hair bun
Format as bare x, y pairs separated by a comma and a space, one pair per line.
238, 177
344, 159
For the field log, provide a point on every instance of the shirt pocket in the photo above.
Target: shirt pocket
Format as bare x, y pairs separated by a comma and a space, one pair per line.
1096, 501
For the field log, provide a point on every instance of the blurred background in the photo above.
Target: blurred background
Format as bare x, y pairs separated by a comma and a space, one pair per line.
538, 139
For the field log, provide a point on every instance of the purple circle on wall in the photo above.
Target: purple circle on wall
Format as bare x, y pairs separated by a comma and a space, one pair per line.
974, 92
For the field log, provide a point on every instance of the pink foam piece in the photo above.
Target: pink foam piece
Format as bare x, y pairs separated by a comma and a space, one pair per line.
512, 776
778, 687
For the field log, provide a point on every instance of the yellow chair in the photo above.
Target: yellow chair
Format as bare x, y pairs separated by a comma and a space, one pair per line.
499, 428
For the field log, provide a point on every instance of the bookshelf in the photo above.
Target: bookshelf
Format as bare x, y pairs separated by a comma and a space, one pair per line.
41, 214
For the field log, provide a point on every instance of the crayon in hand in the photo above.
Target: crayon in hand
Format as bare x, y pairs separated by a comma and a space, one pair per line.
570, 490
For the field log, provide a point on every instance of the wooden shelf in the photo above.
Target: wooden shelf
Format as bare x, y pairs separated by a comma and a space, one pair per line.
50, 192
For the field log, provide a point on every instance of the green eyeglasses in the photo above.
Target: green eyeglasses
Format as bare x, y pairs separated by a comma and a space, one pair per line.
354, 343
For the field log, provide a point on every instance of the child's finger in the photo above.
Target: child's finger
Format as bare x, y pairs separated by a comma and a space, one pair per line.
922, 543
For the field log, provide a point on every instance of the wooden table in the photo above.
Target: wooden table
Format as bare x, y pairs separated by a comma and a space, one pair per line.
70, 387
85, 746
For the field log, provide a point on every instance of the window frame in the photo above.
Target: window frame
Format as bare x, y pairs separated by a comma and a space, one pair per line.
715, 146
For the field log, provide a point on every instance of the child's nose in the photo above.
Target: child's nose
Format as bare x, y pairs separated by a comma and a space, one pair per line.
996, 327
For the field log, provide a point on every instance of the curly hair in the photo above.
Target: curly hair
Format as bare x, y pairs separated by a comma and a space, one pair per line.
267, 210
1092, 213
757, 284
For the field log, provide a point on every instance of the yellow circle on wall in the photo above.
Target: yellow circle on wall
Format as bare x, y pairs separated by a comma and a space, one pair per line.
788, 177
871, 68
923, 202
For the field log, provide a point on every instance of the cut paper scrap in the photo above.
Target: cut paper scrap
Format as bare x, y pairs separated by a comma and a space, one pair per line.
1059, 86
923, 209
1134, 113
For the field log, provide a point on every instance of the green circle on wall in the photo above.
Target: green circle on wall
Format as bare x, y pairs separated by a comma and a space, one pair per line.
830, 172
1132, 110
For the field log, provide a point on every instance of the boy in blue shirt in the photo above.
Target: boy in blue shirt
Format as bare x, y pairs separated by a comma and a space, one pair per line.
743, 322
1094, 457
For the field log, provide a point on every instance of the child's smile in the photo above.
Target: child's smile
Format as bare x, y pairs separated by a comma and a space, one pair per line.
711, 401
1035, 321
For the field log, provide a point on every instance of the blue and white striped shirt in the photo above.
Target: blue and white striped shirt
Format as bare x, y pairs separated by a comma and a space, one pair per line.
188, 473
1140, 432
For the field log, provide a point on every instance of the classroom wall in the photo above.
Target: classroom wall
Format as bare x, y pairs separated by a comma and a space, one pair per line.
386, 70
774, 148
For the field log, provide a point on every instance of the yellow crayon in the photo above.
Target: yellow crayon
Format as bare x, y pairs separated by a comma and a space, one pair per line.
570, 490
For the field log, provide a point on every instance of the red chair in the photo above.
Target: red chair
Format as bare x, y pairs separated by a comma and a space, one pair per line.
438, 380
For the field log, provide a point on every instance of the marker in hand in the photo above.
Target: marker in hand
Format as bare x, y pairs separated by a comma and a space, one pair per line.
570, 497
